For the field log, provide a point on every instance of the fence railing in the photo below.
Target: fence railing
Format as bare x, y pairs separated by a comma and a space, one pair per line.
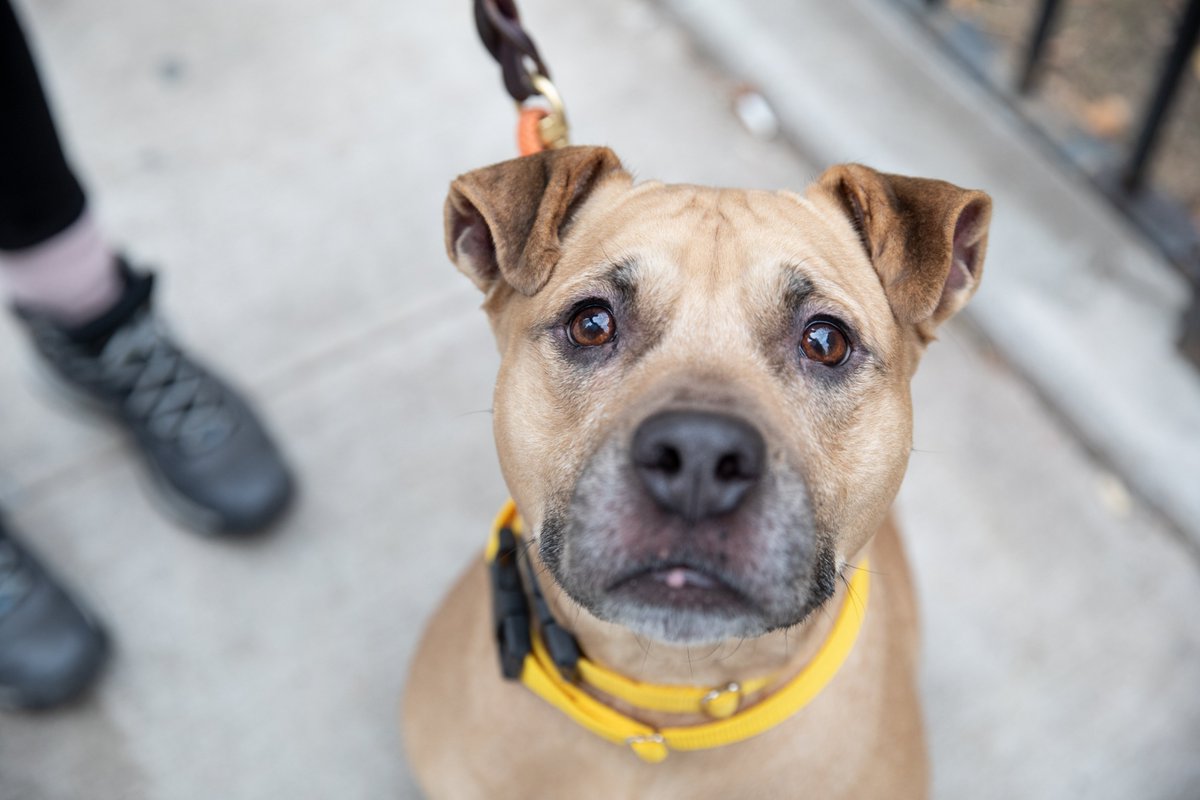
1123, 178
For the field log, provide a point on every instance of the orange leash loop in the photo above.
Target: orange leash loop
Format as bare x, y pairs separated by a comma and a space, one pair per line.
529, 136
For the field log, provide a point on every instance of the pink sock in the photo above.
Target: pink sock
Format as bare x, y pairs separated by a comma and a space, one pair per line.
71, 276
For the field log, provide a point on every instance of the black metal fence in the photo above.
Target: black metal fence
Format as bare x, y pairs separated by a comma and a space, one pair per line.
1123, 176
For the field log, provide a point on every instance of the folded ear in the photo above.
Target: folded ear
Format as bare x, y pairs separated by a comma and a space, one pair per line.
503, 221
925, 238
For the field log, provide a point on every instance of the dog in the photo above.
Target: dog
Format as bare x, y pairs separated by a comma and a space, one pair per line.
703, 416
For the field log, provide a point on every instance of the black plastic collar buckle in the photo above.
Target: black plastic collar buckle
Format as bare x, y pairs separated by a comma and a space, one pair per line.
563, 649
511, 616
510, 608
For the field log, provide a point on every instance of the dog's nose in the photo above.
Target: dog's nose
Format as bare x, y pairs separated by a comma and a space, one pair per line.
697, 464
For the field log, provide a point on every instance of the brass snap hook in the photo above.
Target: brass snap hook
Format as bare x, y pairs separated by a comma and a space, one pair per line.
552, 128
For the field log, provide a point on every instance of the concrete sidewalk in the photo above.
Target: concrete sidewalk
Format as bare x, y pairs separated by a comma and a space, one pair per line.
286, 163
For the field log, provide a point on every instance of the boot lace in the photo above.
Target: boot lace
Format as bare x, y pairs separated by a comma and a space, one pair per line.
173, 397
160, 389
15, 581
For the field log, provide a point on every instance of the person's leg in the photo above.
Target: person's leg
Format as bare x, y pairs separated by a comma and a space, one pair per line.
50, 648
92, 322
52, 256
91, 319
39, 195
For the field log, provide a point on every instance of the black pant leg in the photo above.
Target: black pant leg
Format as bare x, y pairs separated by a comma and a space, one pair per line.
39, 195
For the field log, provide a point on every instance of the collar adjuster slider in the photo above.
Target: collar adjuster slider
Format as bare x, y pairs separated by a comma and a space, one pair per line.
649, 747
724, 702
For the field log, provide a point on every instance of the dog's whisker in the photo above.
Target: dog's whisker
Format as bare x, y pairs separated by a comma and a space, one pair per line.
646, 654
853, 596
713, 652
860, 568
733, 652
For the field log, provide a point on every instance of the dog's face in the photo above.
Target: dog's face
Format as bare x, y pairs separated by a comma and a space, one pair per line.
703, 405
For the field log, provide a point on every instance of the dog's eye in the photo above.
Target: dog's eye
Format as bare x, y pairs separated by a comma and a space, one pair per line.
592, 326
825, 343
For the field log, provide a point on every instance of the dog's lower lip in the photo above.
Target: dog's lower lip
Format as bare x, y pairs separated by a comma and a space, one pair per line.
679, 586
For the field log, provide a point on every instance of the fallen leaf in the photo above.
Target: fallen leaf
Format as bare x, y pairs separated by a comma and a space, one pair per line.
1109, 117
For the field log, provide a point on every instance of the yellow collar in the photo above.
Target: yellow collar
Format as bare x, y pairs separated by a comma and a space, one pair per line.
543, 677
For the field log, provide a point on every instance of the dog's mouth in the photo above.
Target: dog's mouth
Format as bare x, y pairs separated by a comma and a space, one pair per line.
622, 558
680, 586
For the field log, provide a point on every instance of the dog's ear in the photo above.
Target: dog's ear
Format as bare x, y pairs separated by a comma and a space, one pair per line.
503, 221
925, 238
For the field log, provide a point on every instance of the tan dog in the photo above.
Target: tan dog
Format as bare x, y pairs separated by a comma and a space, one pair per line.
703, 414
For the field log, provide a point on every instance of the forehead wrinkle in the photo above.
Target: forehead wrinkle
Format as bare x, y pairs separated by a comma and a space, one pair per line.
711, 312
805, 204
715, 262
750, 203
666, 201
727, 258
664, 219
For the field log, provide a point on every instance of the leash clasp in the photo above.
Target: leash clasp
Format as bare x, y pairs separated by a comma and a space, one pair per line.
553, 129
542, 119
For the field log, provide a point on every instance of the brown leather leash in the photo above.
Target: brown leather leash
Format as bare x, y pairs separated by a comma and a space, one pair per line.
541, 117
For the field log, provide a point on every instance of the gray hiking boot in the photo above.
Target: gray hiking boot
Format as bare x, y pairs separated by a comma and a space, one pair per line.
50, 649
204, 446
